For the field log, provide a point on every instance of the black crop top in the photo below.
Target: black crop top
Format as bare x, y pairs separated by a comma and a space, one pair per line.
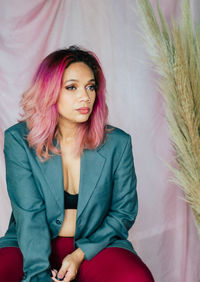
70, 200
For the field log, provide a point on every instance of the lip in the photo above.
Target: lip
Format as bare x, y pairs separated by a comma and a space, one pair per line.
83, 110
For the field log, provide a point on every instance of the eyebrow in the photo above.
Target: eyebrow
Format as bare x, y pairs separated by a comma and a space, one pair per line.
77, 80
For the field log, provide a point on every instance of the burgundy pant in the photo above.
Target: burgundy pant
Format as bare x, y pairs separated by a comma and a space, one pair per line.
109, 265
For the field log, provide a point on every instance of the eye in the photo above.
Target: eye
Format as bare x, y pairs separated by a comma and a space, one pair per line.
70, 87
91, 87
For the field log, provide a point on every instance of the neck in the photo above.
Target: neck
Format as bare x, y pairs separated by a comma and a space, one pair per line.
66, 131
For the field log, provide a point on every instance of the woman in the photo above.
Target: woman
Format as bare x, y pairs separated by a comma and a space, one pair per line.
71, 181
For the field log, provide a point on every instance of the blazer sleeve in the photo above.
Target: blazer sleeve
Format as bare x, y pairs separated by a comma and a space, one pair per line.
29, 212
123, 209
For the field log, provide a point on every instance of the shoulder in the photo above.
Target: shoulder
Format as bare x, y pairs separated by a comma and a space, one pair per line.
116, 139
116, 132
117, 142
18, 129
16, 133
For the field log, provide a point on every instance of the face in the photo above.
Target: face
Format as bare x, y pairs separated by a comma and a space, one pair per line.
77, 91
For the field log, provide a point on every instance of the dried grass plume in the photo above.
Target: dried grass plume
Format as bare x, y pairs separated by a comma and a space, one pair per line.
174, 49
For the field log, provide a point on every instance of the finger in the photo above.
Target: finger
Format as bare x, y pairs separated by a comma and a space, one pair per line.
59, 279
61, 273
69, 276
56, 280
54, 272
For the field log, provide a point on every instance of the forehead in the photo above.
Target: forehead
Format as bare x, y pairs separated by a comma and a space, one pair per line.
77, 71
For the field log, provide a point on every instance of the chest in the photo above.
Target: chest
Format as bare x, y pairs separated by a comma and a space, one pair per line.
71, 172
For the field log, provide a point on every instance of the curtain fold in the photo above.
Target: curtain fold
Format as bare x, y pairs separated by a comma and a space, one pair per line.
164, 234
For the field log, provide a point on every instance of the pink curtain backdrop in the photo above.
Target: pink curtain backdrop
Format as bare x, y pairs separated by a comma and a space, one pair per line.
164, 234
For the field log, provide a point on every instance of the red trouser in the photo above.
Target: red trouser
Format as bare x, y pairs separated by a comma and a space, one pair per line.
109, 265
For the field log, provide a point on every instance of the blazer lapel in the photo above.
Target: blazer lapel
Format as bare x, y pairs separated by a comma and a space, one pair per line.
52, 172
91, 167
92, 164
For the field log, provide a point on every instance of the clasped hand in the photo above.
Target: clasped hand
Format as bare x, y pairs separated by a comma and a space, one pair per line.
70, 267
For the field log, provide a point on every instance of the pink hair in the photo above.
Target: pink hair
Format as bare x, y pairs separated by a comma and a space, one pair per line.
39, 104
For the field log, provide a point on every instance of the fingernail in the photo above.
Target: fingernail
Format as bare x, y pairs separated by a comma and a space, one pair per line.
59, 277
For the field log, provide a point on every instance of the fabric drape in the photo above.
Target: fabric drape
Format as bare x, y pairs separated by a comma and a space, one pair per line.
164, 234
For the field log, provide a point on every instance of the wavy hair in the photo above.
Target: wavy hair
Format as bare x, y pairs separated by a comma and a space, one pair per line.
39, 104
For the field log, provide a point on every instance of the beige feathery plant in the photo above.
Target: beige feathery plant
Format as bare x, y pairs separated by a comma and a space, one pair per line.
175, 52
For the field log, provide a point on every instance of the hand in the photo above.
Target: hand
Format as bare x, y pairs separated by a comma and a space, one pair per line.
70, 266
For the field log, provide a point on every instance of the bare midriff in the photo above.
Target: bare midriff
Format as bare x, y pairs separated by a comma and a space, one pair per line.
71, 178
69, 224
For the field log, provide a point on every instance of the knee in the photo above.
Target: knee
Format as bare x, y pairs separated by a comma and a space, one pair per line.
4, 261
132, 268
11, 264
137, 275
141, 272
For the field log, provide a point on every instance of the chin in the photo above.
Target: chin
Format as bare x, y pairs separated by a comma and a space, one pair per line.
80, 121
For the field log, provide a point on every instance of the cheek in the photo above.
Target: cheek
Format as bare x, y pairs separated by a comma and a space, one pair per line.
93, 98
64, 105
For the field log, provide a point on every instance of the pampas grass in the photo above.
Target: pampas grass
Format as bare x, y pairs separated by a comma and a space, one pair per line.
175, 53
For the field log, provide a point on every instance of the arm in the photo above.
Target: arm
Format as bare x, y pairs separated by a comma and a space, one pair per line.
123, 209
29, 211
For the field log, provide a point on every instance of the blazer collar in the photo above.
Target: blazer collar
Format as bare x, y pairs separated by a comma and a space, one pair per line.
91, 166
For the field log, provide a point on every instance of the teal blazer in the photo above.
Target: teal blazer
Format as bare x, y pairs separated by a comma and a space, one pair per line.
107, 204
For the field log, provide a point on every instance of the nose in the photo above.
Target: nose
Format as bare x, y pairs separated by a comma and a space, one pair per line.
84, 95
